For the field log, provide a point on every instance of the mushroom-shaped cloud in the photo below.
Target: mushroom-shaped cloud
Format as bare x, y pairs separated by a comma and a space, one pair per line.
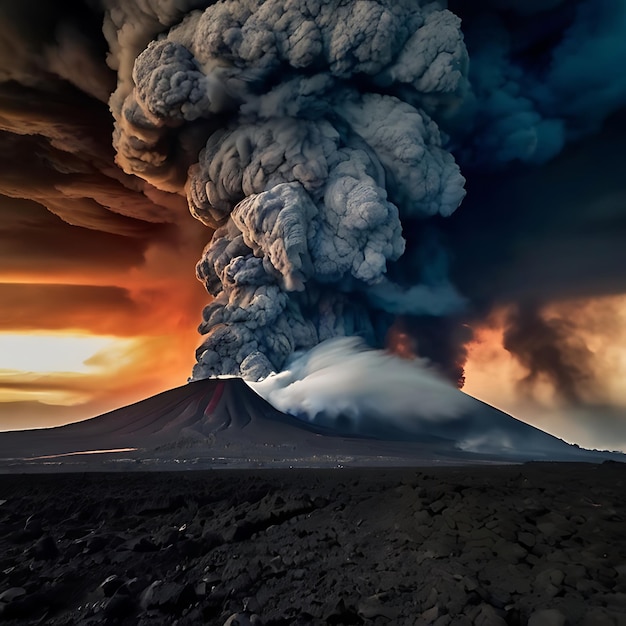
320, 138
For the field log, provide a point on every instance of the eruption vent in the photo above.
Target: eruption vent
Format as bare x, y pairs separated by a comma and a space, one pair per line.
308, 134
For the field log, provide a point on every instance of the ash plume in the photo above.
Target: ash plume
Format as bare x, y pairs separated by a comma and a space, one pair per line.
550, 348
320, 140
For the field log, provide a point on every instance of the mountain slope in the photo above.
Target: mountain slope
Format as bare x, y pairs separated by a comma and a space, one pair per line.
225, 420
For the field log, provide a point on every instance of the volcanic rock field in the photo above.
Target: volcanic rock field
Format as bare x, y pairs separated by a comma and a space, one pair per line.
540, 544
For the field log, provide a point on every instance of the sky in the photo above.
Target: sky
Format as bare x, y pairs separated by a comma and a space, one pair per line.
99, 302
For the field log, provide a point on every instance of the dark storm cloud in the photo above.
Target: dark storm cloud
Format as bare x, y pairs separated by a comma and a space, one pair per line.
44, 43
540, 139
63, 139
90, 308
541, 75
55, 144
56, 157
554, 232
535, 236
34, 241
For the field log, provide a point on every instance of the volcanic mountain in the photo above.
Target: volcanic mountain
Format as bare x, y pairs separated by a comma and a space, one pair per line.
218, 422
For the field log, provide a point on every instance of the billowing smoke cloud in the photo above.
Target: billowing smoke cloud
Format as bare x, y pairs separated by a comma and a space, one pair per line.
310, 138
320, 140
542, 74
550, 348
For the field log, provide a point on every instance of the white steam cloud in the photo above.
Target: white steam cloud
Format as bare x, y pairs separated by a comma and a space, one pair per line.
343, 379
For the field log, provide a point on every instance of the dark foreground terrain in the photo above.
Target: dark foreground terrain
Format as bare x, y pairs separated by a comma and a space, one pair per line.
540, 544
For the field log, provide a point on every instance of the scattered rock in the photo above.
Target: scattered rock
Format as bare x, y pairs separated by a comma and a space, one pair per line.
243, 619
110, 585
33, 528
75, 533
510, 552
437, 506
599, 617
141, 544
372, 607
150, 596
550, 577
45, 548
430, 615
96, 543
168, 597
12, 594
486, 615
547, 617
456, 547
119, 606
527, 540
211, 539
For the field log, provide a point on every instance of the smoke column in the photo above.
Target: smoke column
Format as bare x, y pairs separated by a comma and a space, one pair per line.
320, 138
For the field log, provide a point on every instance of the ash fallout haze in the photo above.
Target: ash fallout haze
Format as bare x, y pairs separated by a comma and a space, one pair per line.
444, 181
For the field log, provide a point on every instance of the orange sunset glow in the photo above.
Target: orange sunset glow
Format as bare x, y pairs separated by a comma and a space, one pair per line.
85, 330
495, 376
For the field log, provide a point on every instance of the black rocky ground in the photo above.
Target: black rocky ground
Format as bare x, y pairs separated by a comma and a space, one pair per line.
539, 544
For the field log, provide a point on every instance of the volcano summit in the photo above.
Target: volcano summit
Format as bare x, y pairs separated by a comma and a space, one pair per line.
223, 423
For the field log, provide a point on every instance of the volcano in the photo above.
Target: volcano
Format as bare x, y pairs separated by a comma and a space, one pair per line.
223, 422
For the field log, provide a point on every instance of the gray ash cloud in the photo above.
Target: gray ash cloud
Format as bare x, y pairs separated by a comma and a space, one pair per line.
312, 160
